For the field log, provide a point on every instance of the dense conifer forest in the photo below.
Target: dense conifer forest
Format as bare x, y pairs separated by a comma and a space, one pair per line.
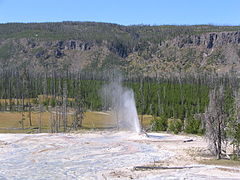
180, 97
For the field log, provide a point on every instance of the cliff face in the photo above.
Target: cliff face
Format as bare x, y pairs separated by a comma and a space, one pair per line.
137, 49
209, 40
215, 51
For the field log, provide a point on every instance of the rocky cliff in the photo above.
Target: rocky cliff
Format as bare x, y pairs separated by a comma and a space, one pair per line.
141, 49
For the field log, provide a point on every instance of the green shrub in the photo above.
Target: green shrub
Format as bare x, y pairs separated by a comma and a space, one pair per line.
46, 102
159, 124
35, 101
234, 157
175, 125
192, 126
53, 102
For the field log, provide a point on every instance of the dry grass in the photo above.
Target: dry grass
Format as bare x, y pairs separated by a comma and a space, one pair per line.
146, 120
11, 120
40, 98
220, 162
43, 98
17, 101
98, 120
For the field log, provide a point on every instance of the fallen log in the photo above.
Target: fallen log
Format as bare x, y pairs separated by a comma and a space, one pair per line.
145, 132
164, 167
189, 140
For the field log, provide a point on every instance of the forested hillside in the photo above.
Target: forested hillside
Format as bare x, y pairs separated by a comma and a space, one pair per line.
148, 50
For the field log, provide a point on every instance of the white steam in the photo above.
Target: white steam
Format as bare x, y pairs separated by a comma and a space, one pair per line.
122, 103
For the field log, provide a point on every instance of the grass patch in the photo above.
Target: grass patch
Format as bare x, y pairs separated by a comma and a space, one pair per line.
220, 162
98, 120
10, 121
145, 120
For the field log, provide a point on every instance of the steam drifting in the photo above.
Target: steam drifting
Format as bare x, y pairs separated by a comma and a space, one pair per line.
122, 103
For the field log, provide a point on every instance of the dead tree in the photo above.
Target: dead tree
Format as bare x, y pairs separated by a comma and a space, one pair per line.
215, 121
22, 119
54, 120
78, 116
234, 125
30, 114
40, 117
64, 106
141, 89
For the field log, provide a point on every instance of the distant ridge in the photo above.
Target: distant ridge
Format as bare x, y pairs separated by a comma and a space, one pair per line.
146, 49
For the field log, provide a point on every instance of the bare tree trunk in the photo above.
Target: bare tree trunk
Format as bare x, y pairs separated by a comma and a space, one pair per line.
219, 142
56, 122
215, 121
65, 120
40, 118
30, 115
117, 118
23, 116
22, 120
142, 99
50, 122
57, 117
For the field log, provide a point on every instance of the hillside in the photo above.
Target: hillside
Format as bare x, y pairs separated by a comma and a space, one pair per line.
141, 49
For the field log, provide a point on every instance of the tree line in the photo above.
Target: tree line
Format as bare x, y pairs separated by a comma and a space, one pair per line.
194, 103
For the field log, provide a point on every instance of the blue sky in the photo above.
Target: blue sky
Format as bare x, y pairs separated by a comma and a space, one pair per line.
125, 12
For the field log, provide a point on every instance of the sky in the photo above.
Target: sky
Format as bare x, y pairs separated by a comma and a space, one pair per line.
124, 12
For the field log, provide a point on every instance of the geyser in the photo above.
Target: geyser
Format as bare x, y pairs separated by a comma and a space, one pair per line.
122, 103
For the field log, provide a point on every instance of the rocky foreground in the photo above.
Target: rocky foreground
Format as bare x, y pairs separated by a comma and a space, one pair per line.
105, 155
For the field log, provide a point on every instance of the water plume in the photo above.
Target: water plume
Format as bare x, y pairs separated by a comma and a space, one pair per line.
120, 100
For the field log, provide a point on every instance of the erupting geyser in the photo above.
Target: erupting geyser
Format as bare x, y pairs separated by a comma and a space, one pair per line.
122, 103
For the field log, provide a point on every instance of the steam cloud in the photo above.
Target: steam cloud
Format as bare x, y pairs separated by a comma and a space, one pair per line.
122, 103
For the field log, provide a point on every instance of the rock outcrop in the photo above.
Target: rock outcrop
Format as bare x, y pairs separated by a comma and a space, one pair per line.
141, 49
209, 40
